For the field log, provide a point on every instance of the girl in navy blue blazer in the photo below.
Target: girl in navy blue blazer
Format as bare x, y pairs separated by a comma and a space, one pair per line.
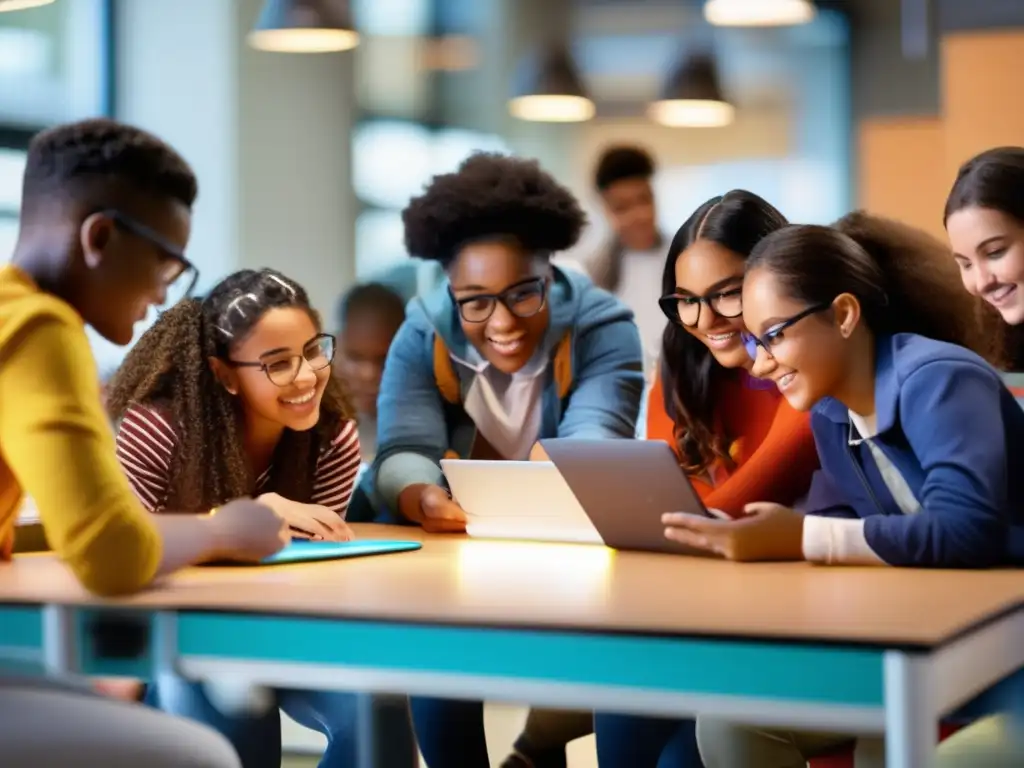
921, 444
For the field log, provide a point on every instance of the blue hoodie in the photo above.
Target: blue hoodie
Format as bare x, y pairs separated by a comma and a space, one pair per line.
416, 427
947, 422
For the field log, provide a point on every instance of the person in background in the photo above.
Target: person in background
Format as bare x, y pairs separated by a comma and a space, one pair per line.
730, 431
630, 264
866, 324
233, 396
510, 351
984, 219
369, 316
105, 219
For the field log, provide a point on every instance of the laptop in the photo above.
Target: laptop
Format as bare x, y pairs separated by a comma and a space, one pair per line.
610, 492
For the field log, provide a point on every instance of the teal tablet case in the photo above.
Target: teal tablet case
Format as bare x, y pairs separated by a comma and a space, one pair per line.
300, 551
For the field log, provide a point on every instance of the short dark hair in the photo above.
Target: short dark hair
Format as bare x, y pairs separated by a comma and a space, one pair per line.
86, 160
492, 196
994, 179
371, 298
620, 163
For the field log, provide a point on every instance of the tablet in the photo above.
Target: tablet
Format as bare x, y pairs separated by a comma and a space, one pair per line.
300, 551
625, 486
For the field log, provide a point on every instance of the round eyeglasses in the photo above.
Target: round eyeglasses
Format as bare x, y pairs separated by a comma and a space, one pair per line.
523, 300
282, 369
684, 309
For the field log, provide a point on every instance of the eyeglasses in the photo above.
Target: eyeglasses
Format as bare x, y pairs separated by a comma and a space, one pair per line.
282, 369
179, 275
523, 300
684, 309
775, 334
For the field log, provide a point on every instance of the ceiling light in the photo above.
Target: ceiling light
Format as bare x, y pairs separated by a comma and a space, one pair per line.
548, 88
758, 13
18, 5
692, 97
304, 26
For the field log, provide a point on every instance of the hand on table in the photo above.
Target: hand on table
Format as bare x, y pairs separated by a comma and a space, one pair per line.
309, 521
248, 530
441, 514
767, 532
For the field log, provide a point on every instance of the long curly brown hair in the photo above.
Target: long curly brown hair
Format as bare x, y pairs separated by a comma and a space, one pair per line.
169, 368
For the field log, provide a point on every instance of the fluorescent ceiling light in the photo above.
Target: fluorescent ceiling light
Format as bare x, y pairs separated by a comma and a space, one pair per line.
758, 13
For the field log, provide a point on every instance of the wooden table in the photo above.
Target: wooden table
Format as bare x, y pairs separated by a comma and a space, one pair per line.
863, 650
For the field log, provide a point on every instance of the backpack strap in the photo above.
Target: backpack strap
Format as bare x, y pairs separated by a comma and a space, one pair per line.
448, 380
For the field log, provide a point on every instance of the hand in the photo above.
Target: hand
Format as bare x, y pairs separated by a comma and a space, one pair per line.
768, 532
440, 513
248, 531
309, 521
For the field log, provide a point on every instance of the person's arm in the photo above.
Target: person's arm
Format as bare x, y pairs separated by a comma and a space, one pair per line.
779, 469
609, 384
951, 415
659, 425
337, 471
412, 434
59, 446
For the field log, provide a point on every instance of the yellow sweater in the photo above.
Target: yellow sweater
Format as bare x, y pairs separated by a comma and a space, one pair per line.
56, 444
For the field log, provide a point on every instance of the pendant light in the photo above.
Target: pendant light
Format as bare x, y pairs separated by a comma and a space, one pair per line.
692, 96
758, 13
18, 5
548, 88
304, 26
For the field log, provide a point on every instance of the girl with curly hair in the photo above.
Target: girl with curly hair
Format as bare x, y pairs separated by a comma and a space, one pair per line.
230, 397
509, 351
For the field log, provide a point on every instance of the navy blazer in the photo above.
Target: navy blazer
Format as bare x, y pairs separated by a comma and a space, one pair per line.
947, 421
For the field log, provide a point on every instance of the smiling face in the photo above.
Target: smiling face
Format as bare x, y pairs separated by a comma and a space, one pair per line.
276, 339
711, 271
807, 346
989, 248
507, 337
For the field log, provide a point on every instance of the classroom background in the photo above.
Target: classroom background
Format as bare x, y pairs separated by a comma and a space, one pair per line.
306, 157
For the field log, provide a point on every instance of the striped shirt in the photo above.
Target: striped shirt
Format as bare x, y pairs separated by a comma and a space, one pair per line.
146, 442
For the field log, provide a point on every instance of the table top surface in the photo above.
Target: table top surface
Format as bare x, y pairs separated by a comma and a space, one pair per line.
456, 580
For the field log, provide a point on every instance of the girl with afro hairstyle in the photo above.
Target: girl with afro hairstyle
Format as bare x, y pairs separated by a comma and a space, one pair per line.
229, 397
509, 351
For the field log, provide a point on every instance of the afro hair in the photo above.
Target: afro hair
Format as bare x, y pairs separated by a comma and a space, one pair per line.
492, 195
620, 163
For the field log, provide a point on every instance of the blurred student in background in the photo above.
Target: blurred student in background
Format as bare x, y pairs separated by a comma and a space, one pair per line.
511, 350
105, 219
730, 430
630, 264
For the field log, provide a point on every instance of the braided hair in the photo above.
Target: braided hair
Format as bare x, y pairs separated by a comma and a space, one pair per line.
169, 368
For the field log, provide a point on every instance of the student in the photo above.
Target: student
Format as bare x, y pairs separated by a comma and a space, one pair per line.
233, 396
510, 351
730, 431
369, 316
104, 223
984, 219
630, 264
865, 323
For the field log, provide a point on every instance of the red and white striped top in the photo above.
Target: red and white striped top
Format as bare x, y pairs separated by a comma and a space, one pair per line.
146, 441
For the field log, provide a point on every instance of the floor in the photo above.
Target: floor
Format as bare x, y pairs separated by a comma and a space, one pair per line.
501, 721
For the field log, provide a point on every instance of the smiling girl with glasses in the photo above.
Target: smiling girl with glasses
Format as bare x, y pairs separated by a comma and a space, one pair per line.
232, 396
921, 444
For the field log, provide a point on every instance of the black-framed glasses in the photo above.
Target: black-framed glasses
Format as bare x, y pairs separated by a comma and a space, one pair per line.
776, 333
282, 369
524, 299
684, 309
179, 275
